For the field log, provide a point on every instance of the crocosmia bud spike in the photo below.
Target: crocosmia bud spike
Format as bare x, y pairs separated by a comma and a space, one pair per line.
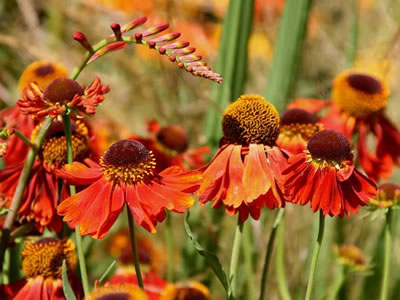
133, 24
109, 48
81, 38
155, 29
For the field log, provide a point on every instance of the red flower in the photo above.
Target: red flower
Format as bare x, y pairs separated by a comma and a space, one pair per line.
125, 175
169, 145
41, 194
42, 264
16, 148
297, 126
60, 94
325, 177
244, 173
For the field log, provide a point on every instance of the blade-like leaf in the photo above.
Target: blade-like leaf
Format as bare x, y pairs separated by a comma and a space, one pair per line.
68, 292
211, 258
105, 274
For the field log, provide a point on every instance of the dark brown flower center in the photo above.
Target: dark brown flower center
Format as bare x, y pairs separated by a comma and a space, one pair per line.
251, 119
329, 145
62, 90
189, 293
126, 152
44, 70
364, 83
115, 296
173, 137
297, 116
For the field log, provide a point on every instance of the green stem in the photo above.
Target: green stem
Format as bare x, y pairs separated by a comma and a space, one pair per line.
134, 248
268, 253
248, 260
337, 284
235, 256
170, 249
280, 261
22, 137
387, 257
19, 191
352, 50
317, 248
78, 237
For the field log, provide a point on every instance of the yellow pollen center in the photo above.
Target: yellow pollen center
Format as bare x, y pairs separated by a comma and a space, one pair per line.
251, 119
304, 130
45, 257
359, 93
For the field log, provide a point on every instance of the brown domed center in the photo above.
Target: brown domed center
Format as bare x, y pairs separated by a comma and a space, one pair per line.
44, 70
126, 152
173, 137
115, 296
62, 90
329, 145
364, 83
297, 116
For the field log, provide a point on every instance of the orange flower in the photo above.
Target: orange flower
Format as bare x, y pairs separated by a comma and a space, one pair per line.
388, 196
352, 257
42, 264
118, 292
169, 145
41, 194
244, 173
325, 177
125, 175
153, 285
186, 291
297, 126
42, 72
60, 94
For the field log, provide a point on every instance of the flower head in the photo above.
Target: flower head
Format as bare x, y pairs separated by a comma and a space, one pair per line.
125, 175
42, 72
118, 292
42, 264
191, 290
62, 93
388, 196
360, 93
244, 173
297, 126
325, 176
352, 257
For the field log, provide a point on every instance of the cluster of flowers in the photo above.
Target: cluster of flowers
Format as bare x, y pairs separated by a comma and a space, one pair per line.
264, 160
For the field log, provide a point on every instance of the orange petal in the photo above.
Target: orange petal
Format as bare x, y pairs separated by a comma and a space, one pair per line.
79, 174
235, 193
180, 201
185, 181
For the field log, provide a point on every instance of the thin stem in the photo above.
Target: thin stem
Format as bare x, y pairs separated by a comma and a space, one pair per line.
170, 249
248, 260
235, 255
280, 261
268, 253
19, 191
78, 237
388, 250
337, 284
22, 137
317, 248
134, 248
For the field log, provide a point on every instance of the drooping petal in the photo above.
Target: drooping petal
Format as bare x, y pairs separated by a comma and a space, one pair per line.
185, 181
235, 193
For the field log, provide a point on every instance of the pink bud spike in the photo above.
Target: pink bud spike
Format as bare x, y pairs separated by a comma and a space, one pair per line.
181, 65
155, 29
167, 37
177, 45
183, 51
197, 64
81, 38
190, 58
133, 24
152, 44
116, 28
109, 48
138, 37
162, 51
172, 58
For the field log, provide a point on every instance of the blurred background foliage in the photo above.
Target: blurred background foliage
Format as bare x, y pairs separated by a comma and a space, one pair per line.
145, 86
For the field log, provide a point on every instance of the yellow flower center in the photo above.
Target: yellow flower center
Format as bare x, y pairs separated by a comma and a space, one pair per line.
299, 122
118, 292
251, 120
54, 148
45, 257
359, 93
127, 161
186, 291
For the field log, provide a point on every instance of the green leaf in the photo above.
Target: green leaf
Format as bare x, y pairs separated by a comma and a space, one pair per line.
105, 274
211, 258
68, 292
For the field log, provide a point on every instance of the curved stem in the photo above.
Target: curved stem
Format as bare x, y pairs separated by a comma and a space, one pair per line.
337, 284
248, 260
72, 189
268, 253
170, 249
235, 255
134, 248
317, 247
19, 191
388, 250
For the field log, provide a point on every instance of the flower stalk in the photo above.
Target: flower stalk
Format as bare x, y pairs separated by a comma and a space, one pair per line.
388, 250
23, 138
235, 256
314, 259
170, 249
248, 260
19, 192
134, 248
